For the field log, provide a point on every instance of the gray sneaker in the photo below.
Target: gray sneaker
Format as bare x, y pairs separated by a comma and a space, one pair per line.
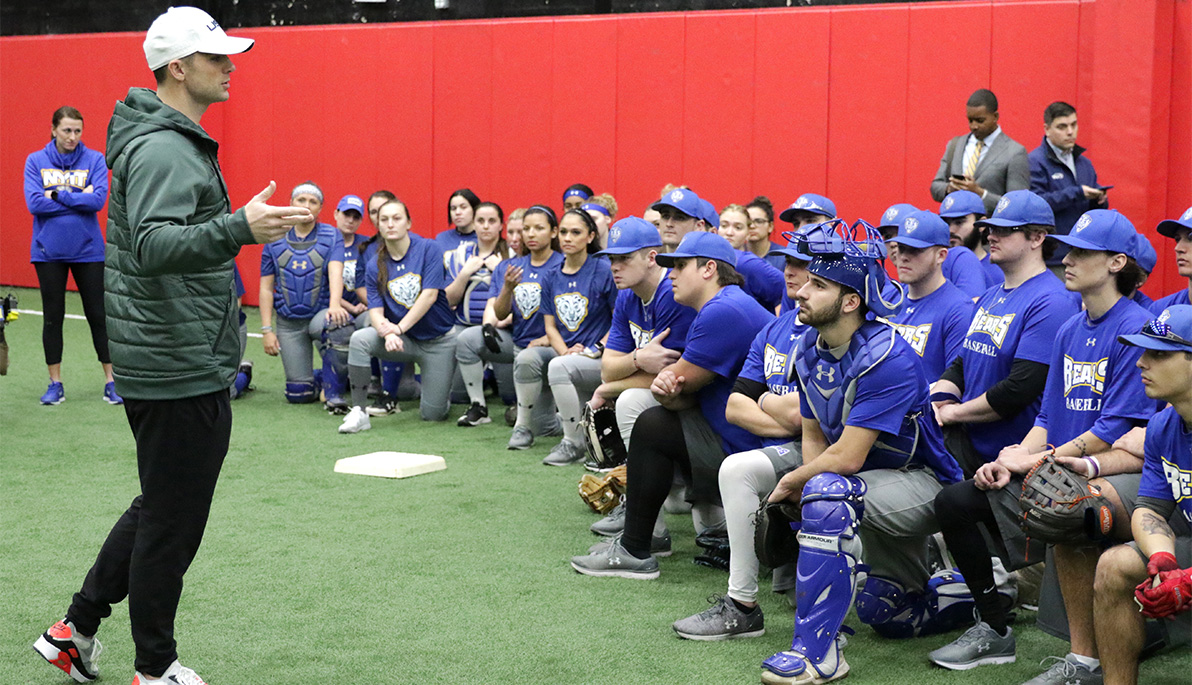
522, 439
565, 453
611, 525
722, 621
613, 560
1066, 671
660, 546
978, 646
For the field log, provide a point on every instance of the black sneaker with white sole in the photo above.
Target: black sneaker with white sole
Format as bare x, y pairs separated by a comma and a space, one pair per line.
476, 415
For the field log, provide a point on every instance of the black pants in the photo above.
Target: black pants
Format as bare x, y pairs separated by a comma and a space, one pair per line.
657, 446
51, 278
961, 508
181, 446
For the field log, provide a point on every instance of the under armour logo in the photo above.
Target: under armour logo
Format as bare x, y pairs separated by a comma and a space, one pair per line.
301, 264
983, 647
829, 371
571, 284
1082, 223
1091, 342
910, 310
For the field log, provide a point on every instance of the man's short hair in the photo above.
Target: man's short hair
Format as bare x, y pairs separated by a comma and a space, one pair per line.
1031, 230
1056, 110
161, 73
983, 98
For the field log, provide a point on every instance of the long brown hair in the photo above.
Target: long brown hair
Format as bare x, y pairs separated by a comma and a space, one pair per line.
382, 247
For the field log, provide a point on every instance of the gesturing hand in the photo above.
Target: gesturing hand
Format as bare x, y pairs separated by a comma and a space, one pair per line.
269, 223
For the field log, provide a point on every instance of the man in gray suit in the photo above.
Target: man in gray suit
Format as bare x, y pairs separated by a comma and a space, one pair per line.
986, 161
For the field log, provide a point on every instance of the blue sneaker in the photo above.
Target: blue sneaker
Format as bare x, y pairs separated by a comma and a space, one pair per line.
55, 394
110, 396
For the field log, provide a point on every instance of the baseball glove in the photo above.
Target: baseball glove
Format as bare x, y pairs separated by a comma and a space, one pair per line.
776, 525
602, 494
1060, 506
604, 444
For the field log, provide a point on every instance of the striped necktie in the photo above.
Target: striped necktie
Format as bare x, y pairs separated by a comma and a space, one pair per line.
970, 166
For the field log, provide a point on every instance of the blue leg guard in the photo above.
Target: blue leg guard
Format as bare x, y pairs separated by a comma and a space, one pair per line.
334, 348
302, 392
827, 581
894, 612
240, 385
391, 377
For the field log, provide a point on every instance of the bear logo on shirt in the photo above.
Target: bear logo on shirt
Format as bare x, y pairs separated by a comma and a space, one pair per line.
571, 309
527, 295
350, 274
405, 289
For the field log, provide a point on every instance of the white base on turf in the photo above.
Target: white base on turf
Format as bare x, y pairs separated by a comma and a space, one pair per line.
390, 464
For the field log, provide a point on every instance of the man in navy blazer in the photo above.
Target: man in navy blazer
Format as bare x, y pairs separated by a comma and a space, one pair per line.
985, 161
1062, 175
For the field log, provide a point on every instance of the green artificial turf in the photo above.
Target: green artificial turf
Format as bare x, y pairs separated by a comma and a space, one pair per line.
308, 576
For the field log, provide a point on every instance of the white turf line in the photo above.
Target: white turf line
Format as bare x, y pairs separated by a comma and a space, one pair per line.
80, 317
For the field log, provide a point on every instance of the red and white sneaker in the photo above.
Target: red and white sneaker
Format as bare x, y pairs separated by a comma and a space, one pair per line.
65, 648
176, 674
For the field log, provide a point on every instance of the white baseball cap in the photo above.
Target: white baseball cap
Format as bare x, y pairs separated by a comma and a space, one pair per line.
183, 31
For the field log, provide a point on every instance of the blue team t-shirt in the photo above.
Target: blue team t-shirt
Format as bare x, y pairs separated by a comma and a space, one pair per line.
1092, 383
450, 239
1019, 323
935, 326
635, 322
527, 295
470, 310
771, 355
294, 295
1167, 466
764, 283
718, 341
1143, 300
1179, 297
349, 256
890, 397
963, 269
582, 303
421, 268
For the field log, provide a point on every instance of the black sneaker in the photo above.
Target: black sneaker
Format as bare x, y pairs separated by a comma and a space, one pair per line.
336, 406
476, 415
384, 405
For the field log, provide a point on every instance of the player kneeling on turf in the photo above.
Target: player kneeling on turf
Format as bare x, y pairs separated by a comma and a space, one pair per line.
873, 461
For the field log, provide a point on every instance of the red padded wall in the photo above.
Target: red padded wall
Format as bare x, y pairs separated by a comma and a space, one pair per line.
856, 102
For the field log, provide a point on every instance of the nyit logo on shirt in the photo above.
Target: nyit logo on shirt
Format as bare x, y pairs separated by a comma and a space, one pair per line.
75, 178
1179, 480
992, 325
915, 335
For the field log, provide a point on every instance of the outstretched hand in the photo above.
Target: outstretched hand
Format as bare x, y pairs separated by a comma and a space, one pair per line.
269, 223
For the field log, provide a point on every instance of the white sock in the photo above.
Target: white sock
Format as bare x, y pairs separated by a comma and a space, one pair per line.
1087, 661
473, 375
568, 404
527, 397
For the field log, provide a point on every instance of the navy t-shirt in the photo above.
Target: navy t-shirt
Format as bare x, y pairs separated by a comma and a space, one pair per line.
1092, 383
1167, 465
891, 397
1020, 323
935, 326
527, 295
349, 256
718, 341
582, 303
963, 269
635, 323
420, 269
450, 239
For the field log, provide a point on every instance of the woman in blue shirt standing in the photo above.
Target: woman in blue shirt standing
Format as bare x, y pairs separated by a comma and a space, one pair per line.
411, 320
66, 184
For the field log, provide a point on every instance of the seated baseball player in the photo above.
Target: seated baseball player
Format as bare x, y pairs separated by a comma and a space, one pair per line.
873, 462
936, 314
688, 430
1150, 576
1093, 396
1180, 232
765, 402
961, 266
962, 209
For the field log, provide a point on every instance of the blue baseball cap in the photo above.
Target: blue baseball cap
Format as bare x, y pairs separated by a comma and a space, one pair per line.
1168, 228
350, 202
1019, 208
1144, 253
792, 245
1102, 229
922, 228
1171, 331
630, 235
894, 214
810, 203
682, 199
709, 215
962, 203
700, 244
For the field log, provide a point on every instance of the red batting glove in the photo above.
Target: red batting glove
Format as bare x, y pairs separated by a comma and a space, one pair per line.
1160, 562
1167, 594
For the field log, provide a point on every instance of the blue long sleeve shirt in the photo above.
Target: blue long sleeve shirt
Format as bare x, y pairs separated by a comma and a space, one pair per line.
66, 229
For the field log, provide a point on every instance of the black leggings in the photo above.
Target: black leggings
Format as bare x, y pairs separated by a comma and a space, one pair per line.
656, 447
960, 507
51, 277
